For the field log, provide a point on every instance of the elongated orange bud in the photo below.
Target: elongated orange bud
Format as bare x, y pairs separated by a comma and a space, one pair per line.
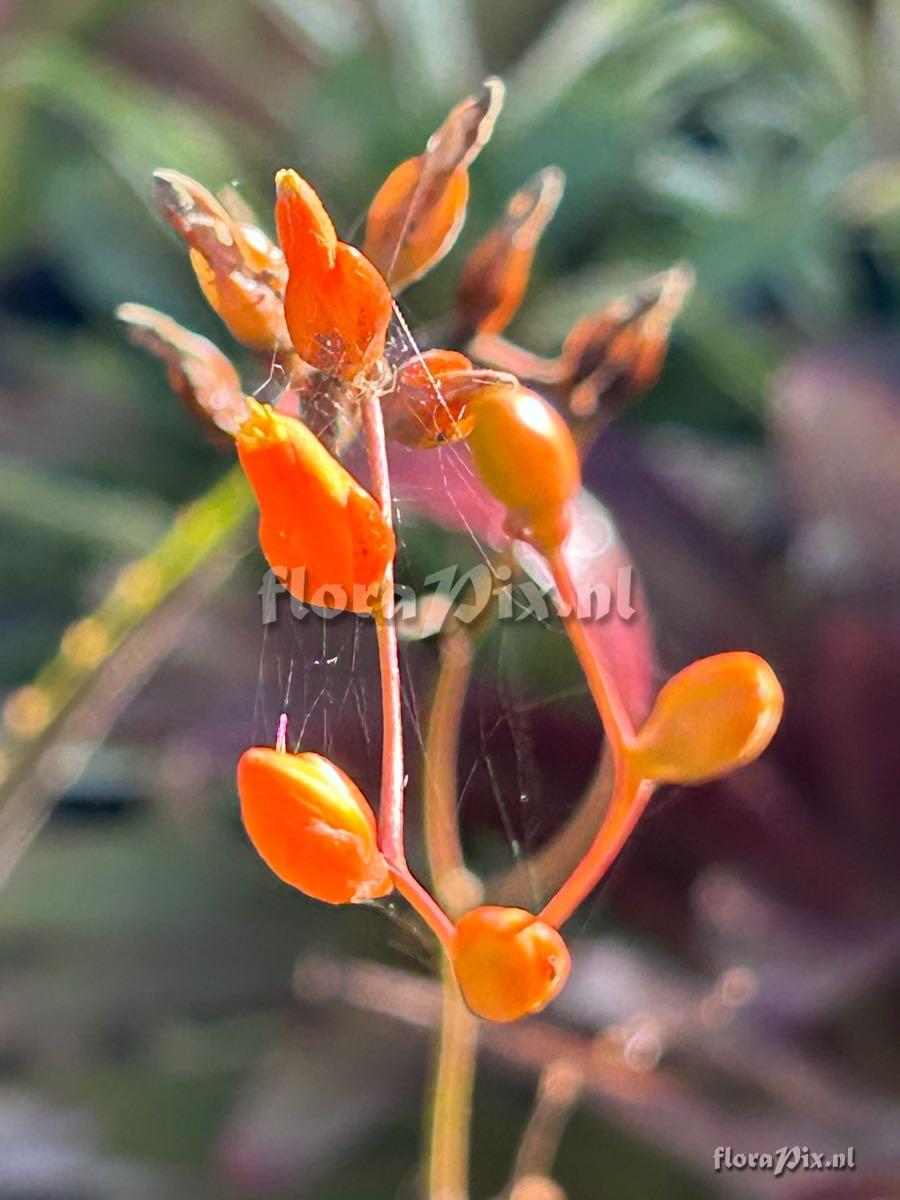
337, 306
716, 715
432, 400
311, 825
322, 533
508, 963
496, 274
241, 272
526, 457
418, 211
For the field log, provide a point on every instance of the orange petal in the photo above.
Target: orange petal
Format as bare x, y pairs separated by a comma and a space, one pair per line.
305, 230
321, 532
240, 270
508, 963
337, 306
525, 456
311, 825
496, 274
418, 211
716, 715
431, 401
198, 371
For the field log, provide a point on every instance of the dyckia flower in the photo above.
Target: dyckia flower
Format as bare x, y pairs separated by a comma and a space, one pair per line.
716, 715
496, 273
311, 825
319, 529
241, 272
608, 359
525, 456
433, 398
508, 963
199, 373
337, 306
612, 357
418, 211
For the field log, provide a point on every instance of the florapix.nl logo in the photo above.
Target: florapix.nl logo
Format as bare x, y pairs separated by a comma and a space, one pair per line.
466, 595
784, 1160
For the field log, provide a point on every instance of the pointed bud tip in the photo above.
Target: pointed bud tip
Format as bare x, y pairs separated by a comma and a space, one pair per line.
550, 182
493, 93
287, 180
131, 313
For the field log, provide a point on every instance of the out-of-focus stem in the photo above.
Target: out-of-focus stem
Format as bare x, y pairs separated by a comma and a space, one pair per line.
390, 814
558, 1090
451, 1100
455, 887
553, 862
454, 1073
112, 648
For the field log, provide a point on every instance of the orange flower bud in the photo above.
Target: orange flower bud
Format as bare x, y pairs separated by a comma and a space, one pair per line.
199, 373
241, 272
496, 274
313, 514
337, 306
431, 402
716, 715
508, 963
418, 211
525, 456
311, 825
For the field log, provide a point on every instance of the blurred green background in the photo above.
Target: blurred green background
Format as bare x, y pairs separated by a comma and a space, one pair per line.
154, 1038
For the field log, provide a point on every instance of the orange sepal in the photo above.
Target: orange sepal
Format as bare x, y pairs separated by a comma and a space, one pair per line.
336, 304
418, 211
431, 402
716, 715
321, 532
508, 963
311, 825
614, 356
253, 314
199, 373
241, 272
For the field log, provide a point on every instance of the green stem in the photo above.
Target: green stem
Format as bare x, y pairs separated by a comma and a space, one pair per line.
77, 694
